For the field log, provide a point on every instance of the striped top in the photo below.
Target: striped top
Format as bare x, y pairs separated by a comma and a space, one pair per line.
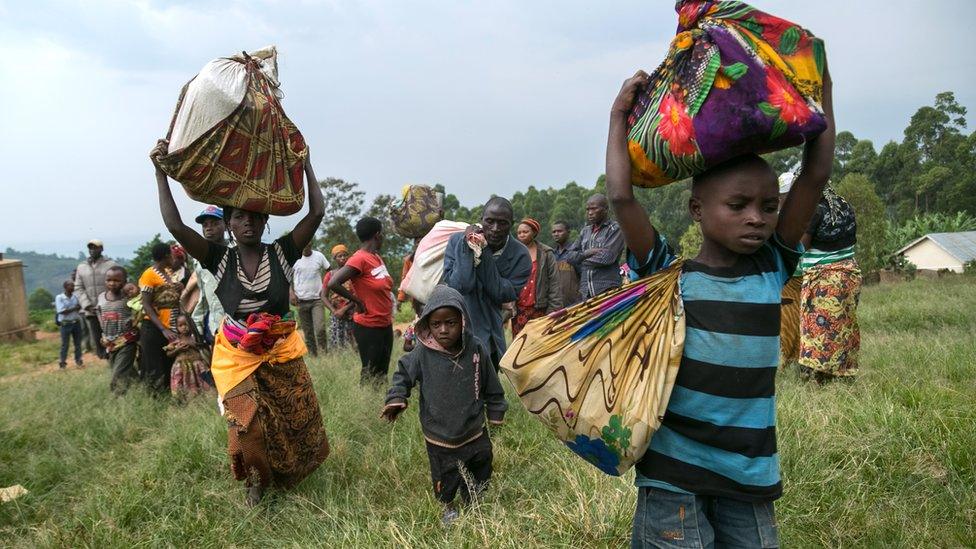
718, 437
814, 257
262, 293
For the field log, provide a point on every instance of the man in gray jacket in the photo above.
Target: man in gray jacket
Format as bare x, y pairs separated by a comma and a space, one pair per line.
89, 282
598, 249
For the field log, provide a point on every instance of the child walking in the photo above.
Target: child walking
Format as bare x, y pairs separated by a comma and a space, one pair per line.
711, 472
118, 333
458, 384
67, 307
187, 376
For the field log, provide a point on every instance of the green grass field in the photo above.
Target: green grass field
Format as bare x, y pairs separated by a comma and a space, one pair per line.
889, 461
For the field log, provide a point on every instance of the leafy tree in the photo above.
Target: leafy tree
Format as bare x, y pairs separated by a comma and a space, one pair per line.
343, 207
859, 192
40, 300
691, 241
143, 257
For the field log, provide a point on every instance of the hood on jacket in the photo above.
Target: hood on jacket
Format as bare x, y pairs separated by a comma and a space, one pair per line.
442, 296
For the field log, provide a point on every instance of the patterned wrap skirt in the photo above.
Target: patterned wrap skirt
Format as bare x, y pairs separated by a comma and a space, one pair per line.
275, 431
830, 339
789, 324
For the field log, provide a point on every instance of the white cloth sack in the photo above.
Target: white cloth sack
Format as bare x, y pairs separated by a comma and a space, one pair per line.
215, 92
428, 260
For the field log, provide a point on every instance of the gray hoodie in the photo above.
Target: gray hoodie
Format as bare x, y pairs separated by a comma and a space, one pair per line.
455, 389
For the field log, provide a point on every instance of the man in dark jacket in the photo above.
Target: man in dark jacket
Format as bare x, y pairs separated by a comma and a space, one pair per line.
598, 249
458, 384
567, 271
489, 268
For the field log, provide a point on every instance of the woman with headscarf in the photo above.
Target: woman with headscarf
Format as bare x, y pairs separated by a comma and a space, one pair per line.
340, 329
275, 431
541, 294
160, 290
830, 339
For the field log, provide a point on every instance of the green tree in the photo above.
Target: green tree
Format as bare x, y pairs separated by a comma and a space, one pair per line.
869, 210
691, 242
40, 300
343, 207
142, 258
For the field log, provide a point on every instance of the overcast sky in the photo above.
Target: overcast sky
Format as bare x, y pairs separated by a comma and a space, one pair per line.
483, 97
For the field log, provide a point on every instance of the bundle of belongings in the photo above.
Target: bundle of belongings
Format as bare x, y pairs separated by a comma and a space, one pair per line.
735, 81
599, 374
428, 260
230, 142
420, 207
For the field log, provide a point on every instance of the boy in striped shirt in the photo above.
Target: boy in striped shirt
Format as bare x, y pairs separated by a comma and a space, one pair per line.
711, 472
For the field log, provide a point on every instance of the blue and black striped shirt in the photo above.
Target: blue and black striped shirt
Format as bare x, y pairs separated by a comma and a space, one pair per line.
718, 436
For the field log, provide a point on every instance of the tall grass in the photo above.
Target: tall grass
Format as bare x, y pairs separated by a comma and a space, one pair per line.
886, 461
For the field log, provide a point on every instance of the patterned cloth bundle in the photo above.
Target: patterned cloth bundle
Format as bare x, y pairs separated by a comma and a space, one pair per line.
599, 374
735, 81
260, 333
419, 209
230, 141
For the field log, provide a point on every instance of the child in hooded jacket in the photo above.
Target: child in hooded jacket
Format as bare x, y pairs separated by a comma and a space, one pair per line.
458, 388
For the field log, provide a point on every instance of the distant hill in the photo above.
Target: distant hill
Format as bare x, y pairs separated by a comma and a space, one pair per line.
46, 271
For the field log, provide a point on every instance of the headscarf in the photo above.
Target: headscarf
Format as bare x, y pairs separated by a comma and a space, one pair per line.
338, 249
533, 224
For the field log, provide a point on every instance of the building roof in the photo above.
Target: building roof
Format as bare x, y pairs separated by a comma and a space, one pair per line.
961, 245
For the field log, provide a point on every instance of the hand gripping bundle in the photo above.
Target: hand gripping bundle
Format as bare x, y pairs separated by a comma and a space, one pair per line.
230, 142
735, 81
599, 374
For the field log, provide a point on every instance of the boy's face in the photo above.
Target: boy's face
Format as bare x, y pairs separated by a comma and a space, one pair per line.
130, 290
445, 325
69, 287
739, 211
114, 281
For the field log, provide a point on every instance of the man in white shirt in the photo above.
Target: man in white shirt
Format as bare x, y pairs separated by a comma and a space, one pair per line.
305, 293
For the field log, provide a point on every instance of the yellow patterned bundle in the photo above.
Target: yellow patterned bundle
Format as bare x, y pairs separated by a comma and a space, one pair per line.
418, 211
599, 374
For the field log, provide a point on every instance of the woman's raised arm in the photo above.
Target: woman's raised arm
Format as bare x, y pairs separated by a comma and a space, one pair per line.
191, 240
304, 231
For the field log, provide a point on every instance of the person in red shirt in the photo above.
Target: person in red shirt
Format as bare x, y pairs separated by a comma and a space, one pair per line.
373, 298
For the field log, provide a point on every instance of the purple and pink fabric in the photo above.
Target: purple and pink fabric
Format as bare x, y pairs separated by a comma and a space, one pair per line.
735, 81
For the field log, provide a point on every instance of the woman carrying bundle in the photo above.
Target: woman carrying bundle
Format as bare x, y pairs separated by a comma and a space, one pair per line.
275, 431
541, 294
830, 339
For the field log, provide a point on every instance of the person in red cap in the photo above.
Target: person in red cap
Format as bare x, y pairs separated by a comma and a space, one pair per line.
541, 294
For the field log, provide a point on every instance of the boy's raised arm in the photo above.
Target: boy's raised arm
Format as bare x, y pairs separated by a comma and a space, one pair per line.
191, 240
638, 231
818, 161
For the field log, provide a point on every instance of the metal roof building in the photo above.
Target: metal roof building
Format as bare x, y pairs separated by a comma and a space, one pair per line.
937, 251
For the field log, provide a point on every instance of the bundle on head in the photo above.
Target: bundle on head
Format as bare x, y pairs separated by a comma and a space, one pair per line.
735, 81
230, 141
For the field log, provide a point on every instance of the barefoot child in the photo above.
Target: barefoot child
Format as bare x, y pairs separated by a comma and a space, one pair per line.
458, 384
187, 378
711, 472
118, 334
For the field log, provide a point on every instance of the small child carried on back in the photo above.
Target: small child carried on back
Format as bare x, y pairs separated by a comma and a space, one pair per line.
119, 331
458, 384
711, 472
190, 364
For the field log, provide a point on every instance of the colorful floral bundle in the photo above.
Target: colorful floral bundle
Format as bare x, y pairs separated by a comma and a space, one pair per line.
599, 374
735, 81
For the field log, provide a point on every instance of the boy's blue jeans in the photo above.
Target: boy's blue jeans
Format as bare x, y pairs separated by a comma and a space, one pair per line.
69, 331
671, 520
